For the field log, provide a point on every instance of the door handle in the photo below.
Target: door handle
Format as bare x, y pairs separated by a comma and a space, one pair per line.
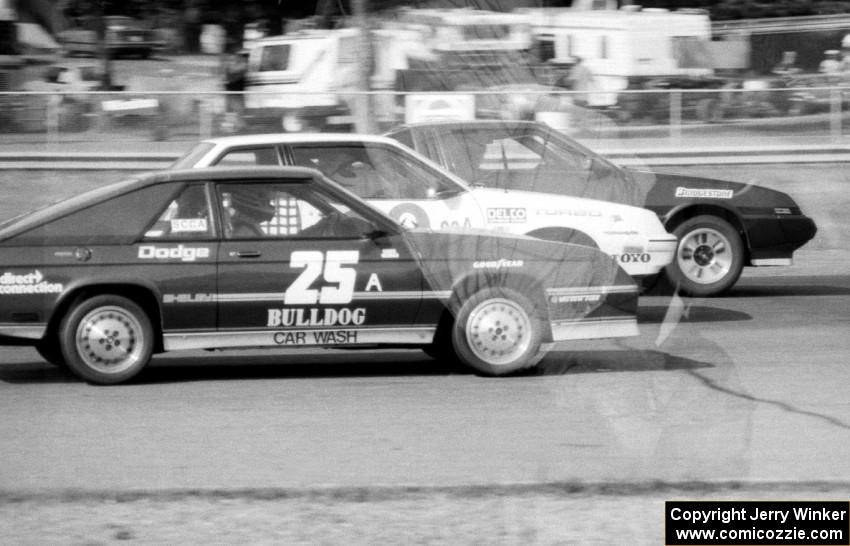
245, 253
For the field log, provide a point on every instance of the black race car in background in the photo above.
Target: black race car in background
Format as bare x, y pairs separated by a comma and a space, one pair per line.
721, 226
284, 257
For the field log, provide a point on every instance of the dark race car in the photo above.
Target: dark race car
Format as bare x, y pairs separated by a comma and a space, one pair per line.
283, 257
721, 226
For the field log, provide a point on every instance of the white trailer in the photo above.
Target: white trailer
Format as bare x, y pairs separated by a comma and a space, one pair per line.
625, 45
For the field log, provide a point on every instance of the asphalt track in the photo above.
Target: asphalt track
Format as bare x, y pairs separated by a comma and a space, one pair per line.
738, 396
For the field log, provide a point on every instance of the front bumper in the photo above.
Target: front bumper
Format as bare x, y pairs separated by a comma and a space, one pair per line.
773, 239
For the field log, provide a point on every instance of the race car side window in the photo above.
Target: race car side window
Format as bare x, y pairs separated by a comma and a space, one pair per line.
249, 157
263, 211
373, 171
187, 216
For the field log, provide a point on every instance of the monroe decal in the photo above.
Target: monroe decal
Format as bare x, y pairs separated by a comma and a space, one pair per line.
316, 317
29, 283
703, 193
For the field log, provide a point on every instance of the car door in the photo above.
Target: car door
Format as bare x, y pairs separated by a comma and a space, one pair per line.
313, 272
392, 180
177, 253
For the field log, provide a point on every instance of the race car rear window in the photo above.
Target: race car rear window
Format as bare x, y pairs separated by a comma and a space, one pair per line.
118, 220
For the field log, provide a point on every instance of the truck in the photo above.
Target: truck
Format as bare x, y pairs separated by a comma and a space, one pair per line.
309, 79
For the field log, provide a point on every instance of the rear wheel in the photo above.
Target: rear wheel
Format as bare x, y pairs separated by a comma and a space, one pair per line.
498, 331
709, 258
106, 339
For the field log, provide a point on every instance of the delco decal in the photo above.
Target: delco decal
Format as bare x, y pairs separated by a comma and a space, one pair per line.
703, 193
179, 252
506, 215
28, 283
316, 317
497, 264
316, 337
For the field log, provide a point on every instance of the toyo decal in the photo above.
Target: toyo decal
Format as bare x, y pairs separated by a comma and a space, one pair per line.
28, 283
634, 257
704, 193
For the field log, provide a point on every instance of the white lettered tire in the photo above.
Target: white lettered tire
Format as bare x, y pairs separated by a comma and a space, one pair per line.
498, 331
106, 339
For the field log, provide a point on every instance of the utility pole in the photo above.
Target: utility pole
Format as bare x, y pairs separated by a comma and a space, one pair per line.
364, 111
103, 51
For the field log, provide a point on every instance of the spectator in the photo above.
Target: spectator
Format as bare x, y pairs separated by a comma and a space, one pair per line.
581, 79
788, 64
234, 83
830, 63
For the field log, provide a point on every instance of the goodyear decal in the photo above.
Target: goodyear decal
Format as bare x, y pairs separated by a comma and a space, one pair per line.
497, 264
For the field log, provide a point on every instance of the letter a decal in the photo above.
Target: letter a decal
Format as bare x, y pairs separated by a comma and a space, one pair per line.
374, 282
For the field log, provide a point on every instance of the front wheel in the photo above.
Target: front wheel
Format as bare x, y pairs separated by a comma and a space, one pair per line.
709, 258
106, 339
498, 331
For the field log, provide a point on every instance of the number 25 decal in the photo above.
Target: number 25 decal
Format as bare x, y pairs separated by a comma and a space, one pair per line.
331, 268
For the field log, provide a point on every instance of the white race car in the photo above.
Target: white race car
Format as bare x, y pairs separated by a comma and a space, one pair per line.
417, 192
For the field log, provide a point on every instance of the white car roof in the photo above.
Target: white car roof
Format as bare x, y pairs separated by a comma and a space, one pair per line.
299, 138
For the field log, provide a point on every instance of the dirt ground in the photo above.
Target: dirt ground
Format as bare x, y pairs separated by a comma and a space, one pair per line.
535, 515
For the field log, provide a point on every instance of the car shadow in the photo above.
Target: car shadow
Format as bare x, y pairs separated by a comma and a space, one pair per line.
217, 367
655, 314
766, 287
631, 360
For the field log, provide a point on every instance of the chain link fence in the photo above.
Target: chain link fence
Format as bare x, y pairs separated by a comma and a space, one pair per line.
677, 115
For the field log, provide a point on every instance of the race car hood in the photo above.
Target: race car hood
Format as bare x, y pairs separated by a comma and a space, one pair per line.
448, 256
673, 190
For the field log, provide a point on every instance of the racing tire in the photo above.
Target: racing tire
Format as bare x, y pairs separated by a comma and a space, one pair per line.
709, 257
50, 351
106, 339
498, 331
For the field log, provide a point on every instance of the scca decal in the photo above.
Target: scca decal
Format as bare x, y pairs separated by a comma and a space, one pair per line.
179, 252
